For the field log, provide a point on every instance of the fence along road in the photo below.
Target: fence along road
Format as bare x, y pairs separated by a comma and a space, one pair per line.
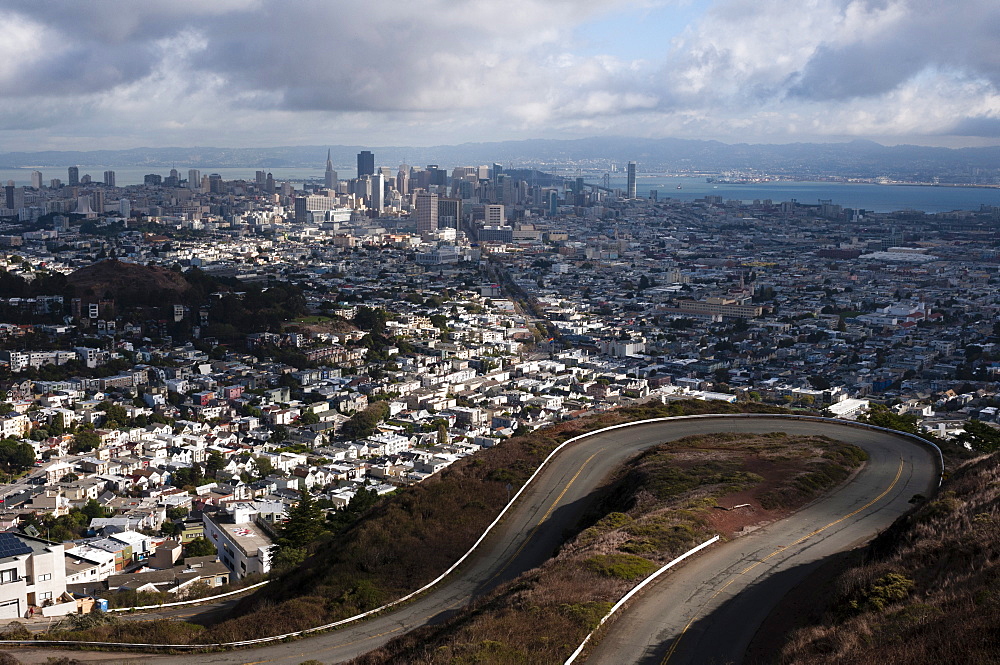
553, 502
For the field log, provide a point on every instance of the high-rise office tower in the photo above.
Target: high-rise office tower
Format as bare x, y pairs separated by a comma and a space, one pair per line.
631, 180
494, 215
378, 192
194, 179
330, 178
403, 179
427, 212
125, 208
215, 185
74, 176
449, 213
260, 177
366, 163
109, 178
36, 179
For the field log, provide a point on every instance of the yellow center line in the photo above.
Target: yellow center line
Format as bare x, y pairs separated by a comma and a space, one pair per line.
547, 514
677, 640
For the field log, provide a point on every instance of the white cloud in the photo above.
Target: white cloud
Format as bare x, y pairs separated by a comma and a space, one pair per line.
246, 72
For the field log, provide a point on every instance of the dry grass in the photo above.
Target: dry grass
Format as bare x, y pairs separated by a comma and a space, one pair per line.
406, 540
658, 505
948, 611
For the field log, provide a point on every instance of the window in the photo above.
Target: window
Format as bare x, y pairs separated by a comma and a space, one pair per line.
45, 577
8, 576
45, 595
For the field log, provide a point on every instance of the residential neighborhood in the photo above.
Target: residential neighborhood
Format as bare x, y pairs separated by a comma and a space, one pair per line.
321, 340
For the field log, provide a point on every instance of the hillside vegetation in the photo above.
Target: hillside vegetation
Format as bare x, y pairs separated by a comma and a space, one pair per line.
928, 591
658, 505
400, 544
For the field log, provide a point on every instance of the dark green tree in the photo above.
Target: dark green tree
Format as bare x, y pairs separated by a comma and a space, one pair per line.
85, 440
304, 525
363, 423
215, 462
980, 437
199, 547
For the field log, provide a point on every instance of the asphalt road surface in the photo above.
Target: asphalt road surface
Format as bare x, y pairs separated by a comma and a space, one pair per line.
710, 609
752, 571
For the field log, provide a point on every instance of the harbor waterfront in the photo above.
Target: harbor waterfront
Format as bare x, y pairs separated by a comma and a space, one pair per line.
863, 196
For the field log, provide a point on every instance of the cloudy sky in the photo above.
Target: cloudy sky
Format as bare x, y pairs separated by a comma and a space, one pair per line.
96, 74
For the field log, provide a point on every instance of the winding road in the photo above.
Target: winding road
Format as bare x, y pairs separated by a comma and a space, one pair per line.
703, 612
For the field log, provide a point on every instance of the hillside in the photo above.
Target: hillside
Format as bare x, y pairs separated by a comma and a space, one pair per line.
398, 545
128, 283
927, 591
659, 504
858, 158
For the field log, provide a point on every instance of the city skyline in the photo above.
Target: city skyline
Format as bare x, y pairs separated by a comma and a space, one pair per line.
241, 73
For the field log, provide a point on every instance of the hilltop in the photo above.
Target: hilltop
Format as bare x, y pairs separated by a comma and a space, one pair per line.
128, 283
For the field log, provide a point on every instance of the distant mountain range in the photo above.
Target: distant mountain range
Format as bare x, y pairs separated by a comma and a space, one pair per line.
855, 158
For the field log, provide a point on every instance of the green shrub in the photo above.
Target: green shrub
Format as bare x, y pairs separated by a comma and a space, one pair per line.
888, 589
621, 566
587, 615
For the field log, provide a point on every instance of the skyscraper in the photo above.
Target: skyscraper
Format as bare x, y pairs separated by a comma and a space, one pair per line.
403, 179
109, 178
330, 178
427, 212
36, 179
378, 192
194, 179
215, 185
74, 176
494, 215
631, 180
366, 163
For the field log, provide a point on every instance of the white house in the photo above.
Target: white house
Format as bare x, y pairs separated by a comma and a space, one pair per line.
32, 574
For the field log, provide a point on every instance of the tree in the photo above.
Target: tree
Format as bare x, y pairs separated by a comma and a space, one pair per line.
363, 423
308, 418
304, 525
214, 463
57, 426
16, 456
370, 319
199, 547
980, 437
264, 466
819, 382
86, 440
279, 434
93, 509
115, 413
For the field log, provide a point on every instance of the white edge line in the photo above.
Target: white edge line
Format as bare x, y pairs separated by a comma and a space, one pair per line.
636, 589
556, 450
186, 602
